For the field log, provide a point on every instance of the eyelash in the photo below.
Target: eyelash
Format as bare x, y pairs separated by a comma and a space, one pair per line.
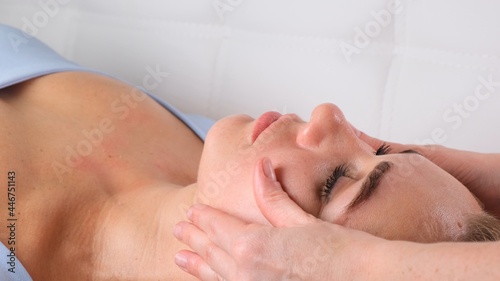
342, 171
383, 149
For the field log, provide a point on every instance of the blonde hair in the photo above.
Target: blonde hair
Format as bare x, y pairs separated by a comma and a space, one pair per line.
481, 228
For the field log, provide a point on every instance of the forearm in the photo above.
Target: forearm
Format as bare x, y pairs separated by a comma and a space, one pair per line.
491, 189
440, 261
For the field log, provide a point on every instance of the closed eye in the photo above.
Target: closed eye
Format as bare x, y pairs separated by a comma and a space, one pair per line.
340, 171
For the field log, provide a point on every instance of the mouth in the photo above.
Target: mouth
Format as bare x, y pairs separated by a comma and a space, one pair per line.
263, 122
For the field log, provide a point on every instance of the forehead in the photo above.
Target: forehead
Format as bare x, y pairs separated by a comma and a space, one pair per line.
412, 174
411, 168
415, 200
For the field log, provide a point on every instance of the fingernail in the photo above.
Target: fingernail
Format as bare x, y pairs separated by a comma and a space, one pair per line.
198, 207
181, 261
268, 169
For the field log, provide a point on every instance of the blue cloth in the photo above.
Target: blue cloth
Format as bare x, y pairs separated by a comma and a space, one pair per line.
23, 58
11, 268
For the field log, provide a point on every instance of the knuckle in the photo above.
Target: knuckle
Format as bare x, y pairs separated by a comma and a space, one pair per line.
193, 266
188, 239
211, 252
242, 248
212, 227
249, 245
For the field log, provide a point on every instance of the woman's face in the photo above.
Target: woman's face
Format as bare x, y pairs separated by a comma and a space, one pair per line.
331, 174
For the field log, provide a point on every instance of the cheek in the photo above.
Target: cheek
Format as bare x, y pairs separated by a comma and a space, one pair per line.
381, 221
225, 181
229, 188
302, 175
396, 218
335, 210
300, 188
221, 156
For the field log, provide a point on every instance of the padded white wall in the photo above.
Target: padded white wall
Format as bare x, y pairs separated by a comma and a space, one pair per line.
419, 70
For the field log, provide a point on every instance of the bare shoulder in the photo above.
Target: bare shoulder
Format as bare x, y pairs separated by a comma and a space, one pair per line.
87, 151
79, 120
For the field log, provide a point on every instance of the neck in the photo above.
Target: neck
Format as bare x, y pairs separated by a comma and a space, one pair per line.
183, 199
146, 233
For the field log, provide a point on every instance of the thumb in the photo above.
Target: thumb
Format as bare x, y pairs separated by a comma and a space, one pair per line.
274, 203
375, 143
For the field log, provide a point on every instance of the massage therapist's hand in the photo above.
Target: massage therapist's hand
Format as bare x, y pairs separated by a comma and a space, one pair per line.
477, 171
297, 247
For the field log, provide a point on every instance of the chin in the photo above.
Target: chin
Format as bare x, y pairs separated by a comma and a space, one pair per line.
229, 127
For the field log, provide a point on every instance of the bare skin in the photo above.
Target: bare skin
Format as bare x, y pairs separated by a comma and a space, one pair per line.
72, 226
103, 173
302, 247
477, 171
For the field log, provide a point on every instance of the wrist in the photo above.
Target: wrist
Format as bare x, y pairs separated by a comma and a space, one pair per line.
372, 259
391, 260
400, 260
379, 261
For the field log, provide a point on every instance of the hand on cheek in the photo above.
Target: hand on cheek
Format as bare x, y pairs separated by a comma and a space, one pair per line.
227, 245
298, 247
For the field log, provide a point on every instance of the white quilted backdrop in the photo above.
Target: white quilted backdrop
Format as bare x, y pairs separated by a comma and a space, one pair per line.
403, 70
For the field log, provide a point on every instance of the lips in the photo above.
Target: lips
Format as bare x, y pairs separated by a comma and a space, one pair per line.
263, 122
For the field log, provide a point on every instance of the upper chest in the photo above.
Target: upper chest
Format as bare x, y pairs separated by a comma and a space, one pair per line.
74, 140
80, 122
76, 137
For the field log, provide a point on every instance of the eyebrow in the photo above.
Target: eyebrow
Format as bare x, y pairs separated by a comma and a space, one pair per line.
373, 180
371, 183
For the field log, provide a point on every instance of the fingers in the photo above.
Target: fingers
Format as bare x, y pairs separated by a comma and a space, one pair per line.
193, 264
211, 235
218, 225
210, 258
375, 143
274, 203
371, 141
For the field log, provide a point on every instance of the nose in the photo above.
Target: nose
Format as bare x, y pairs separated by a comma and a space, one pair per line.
327, 123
